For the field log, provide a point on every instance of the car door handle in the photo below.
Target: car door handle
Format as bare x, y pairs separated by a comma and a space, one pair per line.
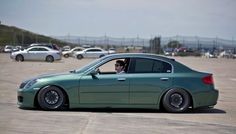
121, 79
164, 79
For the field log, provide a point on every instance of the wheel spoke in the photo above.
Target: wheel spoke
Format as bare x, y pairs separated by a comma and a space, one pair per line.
51, 97
176, 100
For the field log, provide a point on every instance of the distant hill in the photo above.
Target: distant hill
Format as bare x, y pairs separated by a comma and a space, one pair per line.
10, 35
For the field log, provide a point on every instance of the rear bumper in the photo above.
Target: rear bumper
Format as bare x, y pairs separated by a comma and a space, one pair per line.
205, 99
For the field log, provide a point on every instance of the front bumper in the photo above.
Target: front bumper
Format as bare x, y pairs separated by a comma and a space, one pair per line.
25, 98
12, 56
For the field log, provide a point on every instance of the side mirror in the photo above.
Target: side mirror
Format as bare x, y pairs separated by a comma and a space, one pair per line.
94, 72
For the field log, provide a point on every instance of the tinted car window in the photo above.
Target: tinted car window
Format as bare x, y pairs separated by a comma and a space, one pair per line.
34, 49
94, 50
161, 67
140, 65
77, 49
143, 65
42, 49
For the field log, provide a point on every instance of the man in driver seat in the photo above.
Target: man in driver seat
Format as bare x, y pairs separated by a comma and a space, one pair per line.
120, 66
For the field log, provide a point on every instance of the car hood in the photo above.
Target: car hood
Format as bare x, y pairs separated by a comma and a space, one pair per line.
62, 75
19, 51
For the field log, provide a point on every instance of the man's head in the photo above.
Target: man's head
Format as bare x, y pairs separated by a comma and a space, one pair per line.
119, 66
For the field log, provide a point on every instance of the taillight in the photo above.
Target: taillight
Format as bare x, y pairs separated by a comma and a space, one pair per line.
208, 79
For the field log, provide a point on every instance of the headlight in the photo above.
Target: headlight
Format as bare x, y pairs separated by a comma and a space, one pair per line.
30, 83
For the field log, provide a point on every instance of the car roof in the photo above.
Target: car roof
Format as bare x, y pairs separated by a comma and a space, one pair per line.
141, 55
78, 48
91, 48
179, 67
40, 47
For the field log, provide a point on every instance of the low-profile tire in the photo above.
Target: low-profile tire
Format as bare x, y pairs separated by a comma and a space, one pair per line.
66, 56
80, 57
51, 98
176, 100
49, 58
19, 58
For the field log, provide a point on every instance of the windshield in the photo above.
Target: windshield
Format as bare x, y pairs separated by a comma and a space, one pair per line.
84, 68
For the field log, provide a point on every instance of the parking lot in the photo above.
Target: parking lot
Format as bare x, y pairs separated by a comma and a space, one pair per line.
220, 119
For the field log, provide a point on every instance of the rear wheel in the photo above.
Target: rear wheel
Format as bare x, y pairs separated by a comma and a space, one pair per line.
19, 58
176, 100
79, 56
66, 55
49, 58
51, 98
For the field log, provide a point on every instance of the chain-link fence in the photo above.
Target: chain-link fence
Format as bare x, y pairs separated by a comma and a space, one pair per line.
186, 41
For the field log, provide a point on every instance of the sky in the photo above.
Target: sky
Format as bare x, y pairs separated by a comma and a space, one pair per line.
122, 18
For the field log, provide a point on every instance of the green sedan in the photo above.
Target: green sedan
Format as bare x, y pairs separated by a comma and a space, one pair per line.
148, 81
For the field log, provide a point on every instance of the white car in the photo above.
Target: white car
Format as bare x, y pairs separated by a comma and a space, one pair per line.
37, 53
8, 49
71, 52
91, 53
111, 51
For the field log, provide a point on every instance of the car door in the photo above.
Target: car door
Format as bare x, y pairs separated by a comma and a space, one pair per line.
109, 89
106, 87
31, 54
148, 79
42, 53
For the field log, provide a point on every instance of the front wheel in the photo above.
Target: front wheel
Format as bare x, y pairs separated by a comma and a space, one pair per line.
66, 55
19, 58
49, 58
176, 100
79, 56
51, 98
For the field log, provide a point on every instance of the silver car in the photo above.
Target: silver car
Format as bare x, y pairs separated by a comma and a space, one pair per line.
91, 53
37, 53
70, 53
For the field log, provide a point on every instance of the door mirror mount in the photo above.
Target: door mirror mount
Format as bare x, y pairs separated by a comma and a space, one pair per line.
94, 73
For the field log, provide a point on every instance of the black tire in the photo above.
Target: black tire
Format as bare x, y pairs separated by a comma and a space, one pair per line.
176, 100
49, 58
80, 57
19, 58
66, 55
51, 98
101, 56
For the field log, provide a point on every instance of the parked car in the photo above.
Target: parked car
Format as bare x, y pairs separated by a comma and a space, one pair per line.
168, 51
91, 53
210, 55
16, 48
66, 48
36, 53
111, 51
71, 52
8, 49
52, 46
149, 81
